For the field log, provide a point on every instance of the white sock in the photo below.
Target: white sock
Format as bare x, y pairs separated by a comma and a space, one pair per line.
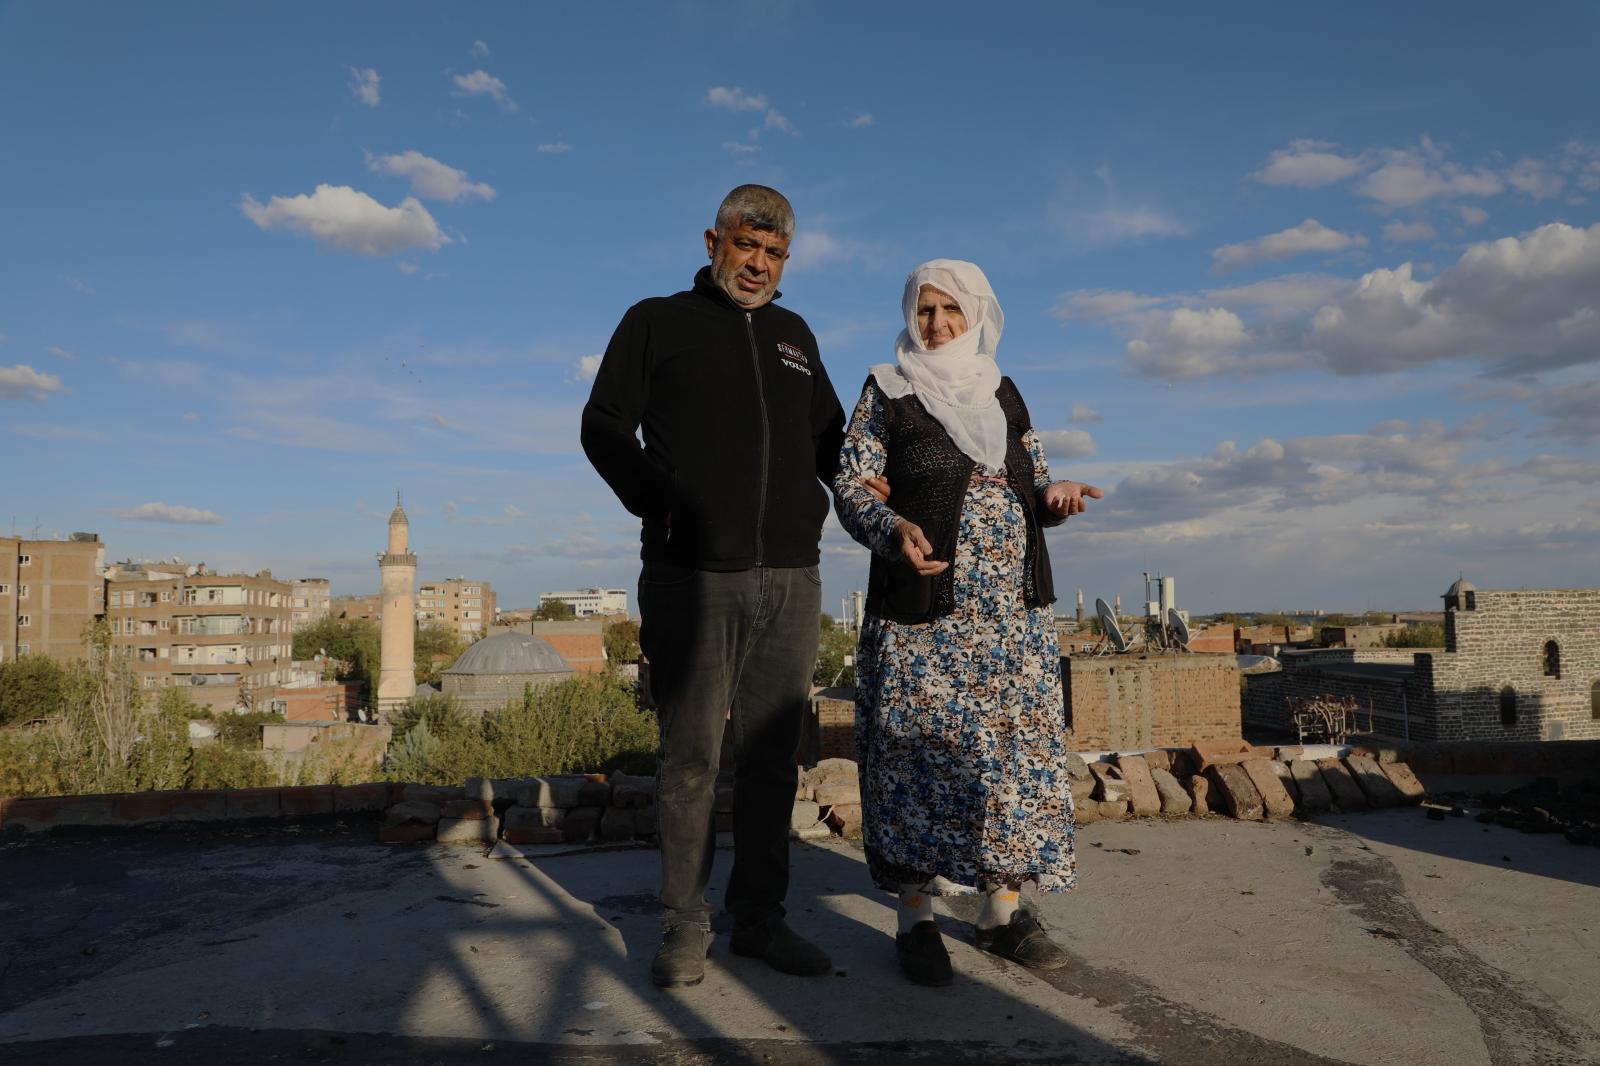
999, 904
915, 906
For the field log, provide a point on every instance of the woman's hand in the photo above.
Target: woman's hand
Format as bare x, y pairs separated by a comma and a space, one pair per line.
878, 485
915, 549
1066, 498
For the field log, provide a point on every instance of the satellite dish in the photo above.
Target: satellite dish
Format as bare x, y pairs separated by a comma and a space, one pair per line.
1108, 625
1178, 627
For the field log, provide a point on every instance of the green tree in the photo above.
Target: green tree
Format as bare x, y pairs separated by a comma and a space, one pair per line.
837, 645
622, 641
30, 687
555, 611
435, 639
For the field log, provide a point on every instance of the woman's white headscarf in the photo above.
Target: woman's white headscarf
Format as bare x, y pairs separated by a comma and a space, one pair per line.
957, 380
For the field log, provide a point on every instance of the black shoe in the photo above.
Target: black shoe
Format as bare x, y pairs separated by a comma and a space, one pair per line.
1022, 940
681, 959
780, 947
922, 955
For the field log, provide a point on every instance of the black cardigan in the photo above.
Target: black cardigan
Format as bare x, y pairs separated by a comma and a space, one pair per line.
928, 478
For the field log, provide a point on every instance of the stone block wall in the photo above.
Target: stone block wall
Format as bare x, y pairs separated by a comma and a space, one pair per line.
1500, 644
1140, 701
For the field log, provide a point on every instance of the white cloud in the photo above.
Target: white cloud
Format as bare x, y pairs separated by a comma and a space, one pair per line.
23, 382
1067, 443
364, 85
430, 178
1308, 164
735, 99
1473, 216
1518, 305
1573, 410
1409, 176
175, 514
738, 149
191, 416
555, 148
815, 246
406, 267
349, 220
1308, 236
1116, 221
1408, 232
82, 286
1094, 304
1083, 413
860, 121
482, 83
479, 50
508, 514
1581, 160
60, 352
586, 367
1535, 179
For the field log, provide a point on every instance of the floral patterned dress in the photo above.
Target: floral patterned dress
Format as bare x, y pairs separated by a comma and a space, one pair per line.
959, 725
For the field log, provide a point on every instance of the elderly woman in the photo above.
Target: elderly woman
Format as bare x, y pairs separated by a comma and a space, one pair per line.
958, 714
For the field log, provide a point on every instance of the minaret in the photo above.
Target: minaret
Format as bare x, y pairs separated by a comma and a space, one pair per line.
1080, 607
397, 679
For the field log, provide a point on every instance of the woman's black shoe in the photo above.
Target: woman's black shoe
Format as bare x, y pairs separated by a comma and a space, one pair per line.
1022, 940
922, 955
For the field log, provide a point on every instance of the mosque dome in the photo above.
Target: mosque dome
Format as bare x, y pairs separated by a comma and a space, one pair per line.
397, 517
1460, 585
510, 653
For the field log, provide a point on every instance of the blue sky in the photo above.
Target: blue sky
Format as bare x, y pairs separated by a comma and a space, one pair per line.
1314, 295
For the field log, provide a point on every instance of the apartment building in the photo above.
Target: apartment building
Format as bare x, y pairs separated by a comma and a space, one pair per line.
226, 637
587, 603
468, 607
311, 601
352, 607
48, 590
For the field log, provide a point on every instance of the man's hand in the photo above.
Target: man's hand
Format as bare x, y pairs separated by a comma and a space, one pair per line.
878, 486
1066, 498
915, 549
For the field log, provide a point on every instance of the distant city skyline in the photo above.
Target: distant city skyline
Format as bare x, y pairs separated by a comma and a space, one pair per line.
1318, 305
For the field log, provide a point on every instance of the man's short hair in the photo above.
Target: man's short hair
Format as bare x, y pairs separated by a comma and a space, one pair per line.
756, 206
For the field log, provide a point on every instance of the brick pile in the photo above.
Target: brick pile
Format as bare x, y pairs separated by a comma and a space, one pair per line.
581, 809
1244, 781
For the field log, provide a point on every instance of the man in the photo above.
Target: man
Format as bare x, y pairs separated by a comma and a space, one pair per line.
739, 425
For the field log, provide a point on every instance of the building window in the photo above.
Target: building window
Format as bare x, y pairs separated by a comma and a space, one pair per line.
5, 590
1552, 659
1594, 701
22, 592
24, 560
166, 597
1508, 706
24, 620
23, 649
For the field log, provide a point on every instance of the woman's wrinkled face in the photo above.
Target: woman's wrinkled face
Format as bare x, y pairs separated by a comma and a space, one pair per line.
939, 317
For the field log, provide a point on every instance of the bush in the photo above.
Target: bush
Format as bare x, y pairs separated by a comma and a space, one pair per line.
622, 641
223, 766
585, 723
837, 643
1417, 635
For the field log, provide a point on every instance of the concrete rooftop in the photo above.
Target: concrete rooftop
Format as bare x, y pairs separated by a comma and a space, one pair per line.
1381, 938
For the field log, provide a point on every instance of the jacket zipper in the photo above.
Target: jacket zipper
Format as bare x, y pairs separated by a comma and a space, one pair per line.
761, 397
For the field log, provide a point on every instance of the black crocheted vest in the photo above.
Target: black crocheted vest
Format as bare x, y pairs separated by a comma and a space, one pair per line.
928, 478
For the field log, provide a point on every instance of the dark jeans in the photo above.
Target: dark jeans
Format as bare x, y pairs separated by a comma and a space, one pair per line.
744, 641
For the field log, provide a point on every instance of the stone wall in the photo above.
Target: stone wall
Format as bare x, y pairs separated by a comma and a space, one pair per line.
1500, 644
1141, 701
1396, 702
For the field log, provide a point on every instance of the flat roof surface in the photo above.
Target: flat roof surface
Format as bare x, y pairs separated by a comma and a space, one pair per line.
1379, 938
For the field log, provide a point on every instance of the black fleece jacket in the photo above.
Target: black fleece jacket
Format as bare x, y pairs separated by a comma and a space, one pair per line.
739, 423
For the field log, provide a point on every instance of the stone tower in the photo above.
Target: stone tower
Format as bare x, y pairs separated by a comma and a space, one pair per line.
397, 680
